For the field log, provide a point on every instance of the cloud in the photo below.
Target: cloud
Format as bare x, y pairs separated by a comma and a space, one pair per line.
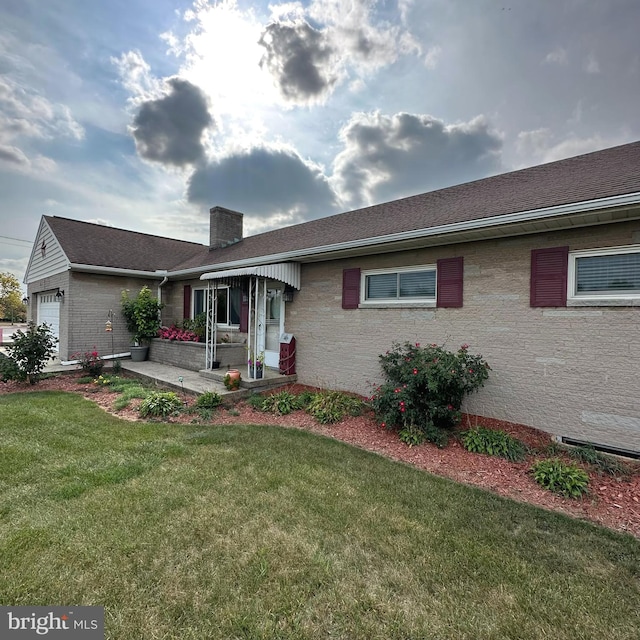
543, 145
557, 56
169, 130
591, 64
136, 76
308, 62
26, 113
387, 157
274, 185
302, 60
13, 155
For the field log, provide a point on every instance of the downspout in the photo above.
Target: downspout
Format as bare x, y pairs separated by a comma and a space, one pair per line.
164, 281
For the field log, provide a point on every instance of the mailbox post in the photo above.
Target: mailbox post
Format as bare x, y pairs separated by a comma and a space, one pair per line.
287, 354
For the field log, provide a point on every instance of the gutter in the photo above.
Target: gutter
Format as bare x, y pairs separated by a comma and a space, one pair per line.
91, 268
456, 227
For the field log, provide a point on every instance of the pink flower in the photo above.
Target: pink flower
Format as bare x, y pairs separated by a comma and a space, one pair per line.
417, 344
415, 371
402, 409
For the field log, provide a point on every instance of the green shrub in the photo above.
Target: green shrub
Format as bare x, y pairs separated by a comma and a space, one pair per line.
567, 479
141, 315
28, 354
256, 401
412, 436
304, 399
601, 461
329, 407
493, 443
209, 400
282, 403
160, 404
197, 325
425, 387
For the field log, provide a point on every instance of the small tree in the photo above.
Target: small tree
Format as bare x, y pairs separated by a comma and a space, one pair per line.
425, 388
11, 305
142, 315
28, 354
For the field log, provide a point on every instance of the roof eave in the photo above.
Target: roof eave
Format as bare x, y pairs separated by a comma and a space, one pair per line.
523, 222
116, 271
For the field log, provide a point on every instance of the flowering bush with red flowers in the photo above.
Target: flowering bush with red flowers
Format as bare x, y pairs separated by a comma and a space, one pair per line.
177, 334
89, 361
424, 389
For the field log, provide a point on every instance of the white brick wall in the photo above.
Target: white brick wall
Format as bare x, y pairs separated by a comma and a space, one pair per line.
571, 372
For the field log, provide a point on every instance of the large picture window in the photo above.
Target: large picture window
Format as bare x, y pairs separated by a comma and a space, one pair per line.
606, 273
399, 285
228, 306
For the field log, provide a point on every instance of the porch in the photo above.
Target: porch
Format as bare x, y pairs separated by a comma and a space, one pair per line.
178, 378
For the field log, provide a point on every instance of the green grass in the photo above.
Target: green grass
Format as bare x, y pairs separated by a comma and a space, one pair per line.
192, 532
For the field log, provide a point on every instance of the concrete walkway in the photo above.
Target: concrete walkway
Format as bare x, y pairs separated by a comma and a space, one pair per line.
168, 376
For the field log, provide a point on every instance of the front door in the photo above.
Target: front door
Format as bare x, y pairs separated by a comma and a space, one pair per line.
274, 324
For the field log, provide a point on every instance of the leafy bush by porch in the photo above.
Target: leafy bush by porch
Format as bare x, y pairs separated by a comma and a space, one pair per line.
424, 389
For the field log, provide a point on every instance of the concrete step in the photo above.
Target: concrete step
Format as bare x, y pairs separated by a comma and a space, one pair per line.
271, 378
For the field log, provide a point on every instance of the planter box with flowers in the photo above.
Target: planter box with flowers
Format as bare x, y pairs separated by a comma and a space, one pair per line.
183, 348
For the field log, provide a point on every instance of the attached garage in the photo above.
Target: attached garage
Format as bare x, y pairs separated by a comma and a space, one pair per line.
49, 311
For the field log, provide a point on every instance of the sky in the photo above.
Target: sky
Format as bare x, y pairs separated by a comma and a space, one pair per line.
144, 114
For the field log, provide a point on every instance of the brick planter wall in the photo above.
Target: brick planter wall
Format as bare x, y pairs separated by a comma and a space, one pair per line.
191, 355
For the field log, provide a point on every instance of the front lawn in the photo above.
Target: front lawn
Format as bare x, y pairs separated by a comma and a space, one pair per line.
194, 531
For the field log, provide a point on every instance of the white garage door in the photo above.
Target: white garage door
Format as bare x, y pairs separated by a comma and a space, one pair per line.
49, 311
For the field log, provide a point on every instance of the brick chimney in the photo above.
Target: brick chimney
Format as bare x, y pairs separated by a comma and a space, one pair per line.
225, 227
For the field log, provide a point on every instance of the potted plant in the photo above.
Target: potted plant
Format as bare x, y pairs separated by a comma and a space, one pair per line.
142, 316
256, 364
232, 380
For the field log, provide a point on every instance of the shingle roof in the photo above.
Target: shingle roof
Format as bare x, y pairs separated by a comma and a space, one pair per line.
600, 174
98, 245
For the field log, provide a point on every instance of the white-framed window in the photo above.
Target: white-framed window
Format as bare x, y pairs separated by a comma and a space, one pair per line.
228, 308
604, 274
404, 285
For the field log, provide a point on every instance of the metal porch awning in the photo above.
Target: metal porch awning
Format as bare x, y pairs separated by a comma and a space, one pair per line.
287, 272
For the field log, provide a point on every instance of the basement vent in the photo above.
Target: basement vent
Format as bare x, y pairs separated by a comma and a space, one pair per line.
627, 453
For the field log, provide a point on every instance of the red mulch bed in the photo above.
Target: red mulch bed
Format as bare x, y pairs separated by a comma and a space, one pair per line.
612, 502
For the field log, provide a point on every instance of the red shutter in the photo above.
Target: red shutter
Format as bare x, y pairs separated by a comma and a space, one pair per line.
186, 307
350, 288
450, 272
549, 277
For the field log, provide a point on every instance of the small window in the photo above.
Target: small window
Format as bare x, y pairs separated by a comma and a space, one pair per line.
607, 273
400, 285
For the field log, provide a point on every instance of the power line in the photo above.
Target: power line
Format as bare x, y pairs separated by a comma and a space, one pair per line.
4, 239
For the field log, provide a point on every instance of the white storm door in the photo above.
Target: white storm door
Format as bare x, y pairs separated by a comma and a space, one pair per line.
274, 326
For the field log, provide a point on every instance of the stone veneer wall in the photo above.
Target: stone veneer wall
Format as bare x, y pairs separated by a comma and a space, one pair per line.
191, 355
570, 371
